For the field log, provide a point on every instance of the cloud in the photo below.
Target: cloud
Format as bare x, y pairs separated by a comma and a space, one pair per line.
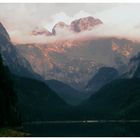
100, 31
63, 17
20, 19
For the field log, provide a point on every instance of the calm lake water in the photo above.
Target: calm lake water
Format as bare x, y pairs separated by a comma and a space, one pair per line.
88, 128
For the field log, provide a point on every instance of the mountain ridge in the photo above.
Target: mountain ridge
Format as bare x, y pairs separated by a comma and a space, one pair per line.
11, 58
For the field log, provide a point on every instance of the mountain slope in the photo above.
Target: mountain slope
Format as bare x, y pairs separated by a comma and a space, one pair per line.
16, 63
67, 93
9, 115
134, 67
84, 24
37, 101
133, 70
103, 76
119, 99
68, 61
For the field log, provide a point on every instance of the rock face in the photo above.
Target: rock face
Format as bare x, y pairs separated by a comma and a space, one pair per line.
84, 24
41, 31
74, 62
103, 76
59, 28
17, 64
3, 32
61, 66
133, 68
136, 63
79, 25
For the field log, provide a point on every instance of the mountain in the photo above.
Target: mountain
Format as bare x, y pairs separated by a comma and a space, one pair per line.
136, 60
69, 60
103, 76
134, 68
59, 28
79, 25
61, 66
40, 31
67, 93
3, 33
37, 101
9, 115
120, 99
84, 24
11, 58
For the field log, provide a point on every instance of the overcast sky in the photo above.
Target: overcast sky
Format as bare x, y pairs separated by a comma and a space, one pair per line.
20, 19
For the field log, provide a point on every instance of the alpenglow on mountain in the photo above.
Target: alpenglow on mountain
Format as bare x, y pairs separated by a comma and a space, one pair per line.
79, 25
75, 61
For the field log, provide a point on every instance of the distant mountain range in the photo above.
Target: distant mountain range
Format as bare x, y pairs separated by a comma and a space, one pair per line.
68, 60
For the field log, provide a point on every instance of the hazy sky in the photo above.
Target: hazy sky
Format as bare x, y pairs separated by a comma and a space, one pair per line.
21, 19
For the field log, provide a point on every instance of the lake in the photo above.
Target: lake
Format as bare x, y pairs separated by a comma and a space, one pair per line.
88, 128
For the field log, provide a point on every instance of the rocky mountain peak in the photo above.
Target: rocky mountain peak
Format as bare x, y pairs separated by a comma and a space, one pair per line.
41, 31
3, 32
78, 25
83, 24
58, 27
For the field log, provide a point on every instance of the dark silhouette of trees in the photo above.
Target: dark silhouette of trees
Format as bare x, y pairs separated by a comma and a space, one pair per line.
8, 112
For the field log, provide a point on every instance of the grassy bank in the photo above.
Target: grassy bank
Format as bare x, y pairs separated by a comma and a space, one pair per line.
9, 132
